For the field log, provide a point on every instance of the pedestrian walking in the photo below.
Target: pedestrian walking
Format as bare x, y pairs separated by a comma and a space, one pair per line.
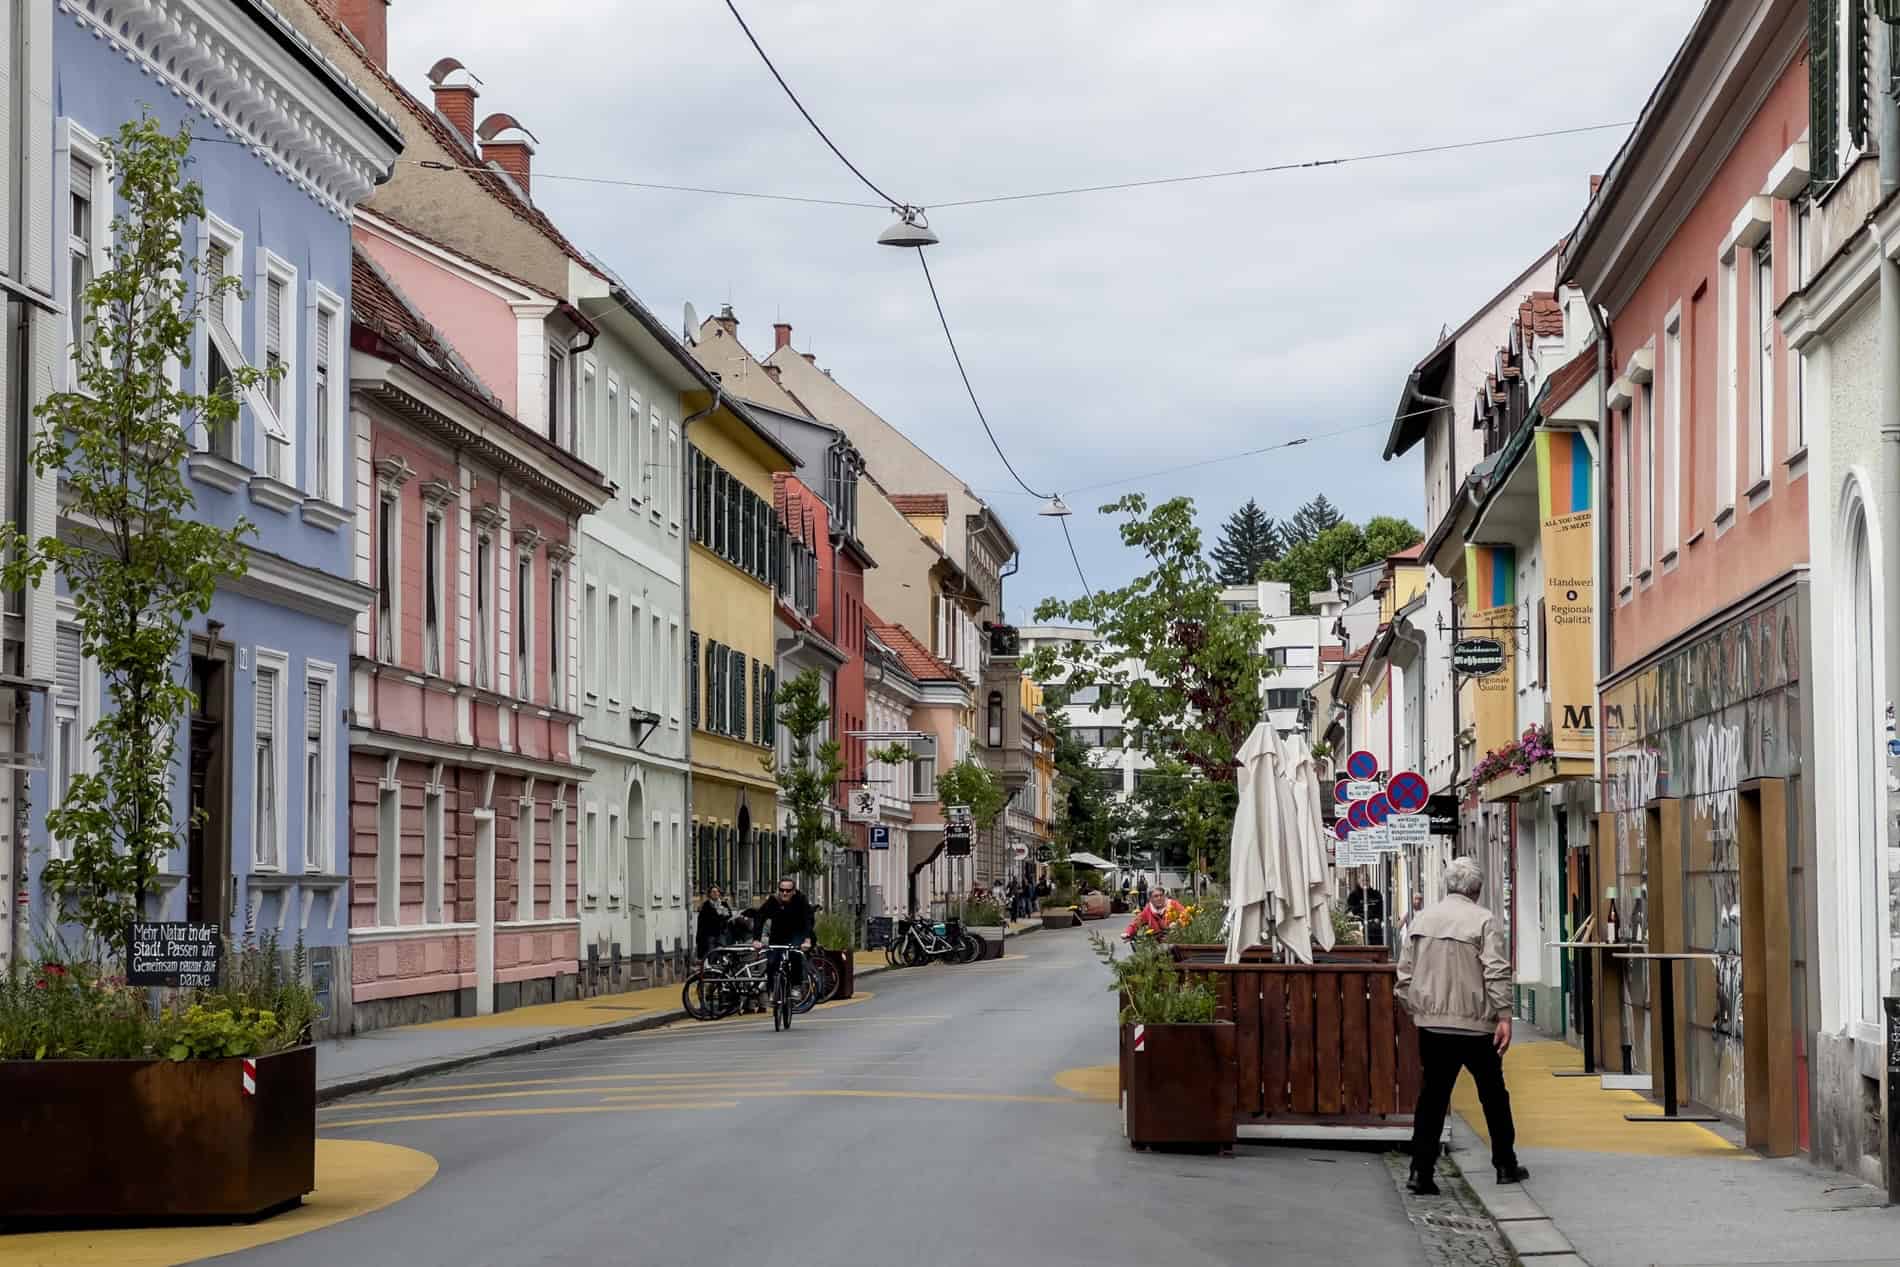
1141, 888
1455, 981
715, 920
1367, 905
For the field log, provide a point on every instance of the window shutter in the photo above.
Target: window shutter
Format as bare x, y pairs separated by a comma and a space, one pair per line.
81, 183
771, 707
1823, 51
323, 341
692, 675
266, 703
313, 710
274, 318
1859, 51
735, 722
68, 656
758, 722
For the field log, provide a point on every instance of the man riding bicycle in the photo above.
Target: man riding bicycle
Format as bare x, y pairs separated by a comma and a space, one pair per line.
784, 919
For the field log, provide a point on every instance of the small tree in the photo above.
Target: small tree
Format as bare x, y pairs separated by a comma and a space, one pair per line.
1315, 517
808, 782
139, 569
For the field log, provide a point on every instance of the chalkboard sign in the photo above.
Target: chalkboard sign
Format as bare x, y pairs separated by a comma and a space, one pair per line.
179, 954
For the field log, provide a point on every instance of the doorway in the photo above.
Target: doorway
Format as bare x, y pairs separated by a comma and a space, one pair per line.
636, 866
208, 837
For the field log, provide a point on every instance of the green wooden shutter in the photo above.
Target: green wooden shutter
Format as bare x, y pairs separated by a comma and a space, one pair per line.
1823, 66
692, 676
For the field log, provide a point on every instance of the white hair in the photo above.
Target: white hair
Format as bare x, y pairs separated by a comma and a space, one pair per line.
1463, 877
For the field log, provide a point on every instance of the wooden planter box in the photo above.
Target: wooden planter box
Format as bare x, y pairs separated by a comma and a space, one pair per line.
1180, 1086
157, 1139
1352, 954
846, 968
1198, 952
992, 939
1058, 918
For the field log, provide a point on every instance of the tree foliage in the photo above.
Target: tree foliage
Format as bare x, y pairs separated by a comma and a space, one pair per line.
808, 781
1184, 669
142, 568
1322, 563
1085, 813
968, 783
1249, 540
1310, 520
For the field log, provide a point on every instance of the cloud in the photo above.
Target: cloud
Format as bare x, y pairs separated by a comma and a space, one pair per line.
1111, 333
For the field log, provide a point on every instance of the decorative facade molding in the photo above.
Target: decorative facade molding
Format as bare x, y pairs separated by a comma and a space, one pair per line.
561, 552
438, 493
490, 516
260, 83
527, 537
395, 470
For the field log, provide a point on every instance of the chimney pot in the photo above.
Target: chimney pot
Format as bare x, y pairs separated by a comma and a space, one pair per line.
456, 103
727, 320
781, 335
368, 21
513, 155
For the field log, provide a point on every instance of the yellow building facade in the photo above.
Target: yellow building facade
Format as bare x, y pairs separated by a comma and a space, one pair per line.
733, 568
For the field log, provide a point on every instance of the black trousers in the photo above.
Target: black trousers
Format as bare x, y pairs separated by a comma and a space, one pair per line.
1440, 1056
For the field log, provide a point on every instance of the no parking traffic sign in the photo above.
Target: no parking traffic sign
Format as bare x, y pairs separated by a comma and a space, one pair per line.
1408, 792
1358, 815
1362, 765
1378, 809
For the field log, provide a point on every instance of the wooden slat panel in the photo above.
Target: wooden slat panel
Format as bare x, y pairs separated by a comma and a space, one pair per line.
1383, 1037
1299, 1041
1273, 1043
1327, 1056
1408, 1061
1356, 1068
1249, 1030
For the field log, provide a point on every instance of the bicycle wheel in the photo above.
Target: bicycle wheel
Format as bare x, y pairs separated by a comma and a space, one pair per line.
825, 976
805, 995
693, 997
970, 949
915, 956
782, 1002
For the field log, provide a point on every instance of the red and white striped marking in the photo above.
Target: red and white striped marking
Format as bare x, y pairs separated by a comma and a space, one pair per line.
1141, 1038
250, 1076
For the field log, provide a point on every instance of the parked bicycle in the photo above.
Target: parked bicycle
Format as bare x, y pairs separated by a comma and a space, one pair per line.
917, 942
733, 980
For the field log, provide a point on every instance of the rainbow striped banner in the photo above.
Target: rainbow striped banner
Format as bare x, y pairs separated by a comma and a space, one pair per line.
1564, 484
1490, 577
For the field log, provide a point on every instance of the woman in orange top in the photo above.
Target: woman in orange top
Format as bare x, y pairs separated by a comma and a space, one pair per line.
1154, 916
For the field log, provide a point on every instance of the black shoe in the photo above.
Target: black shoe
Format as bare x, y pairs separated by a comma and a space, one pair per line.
1513, 1173
1421, 1185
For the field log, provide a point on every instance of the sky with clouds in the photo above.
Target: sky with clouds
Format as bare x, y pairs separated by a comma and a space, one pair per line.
1107, 334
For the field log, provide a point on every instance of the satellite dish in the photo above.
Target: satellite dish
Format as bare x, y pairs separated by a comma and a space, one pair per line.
692, 324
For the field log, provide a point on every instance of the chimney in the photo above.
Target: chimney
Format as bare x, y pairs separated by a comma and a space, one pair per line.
772, 372
368, 21
726, 321
781, 335
1595, 183
514, 156
455, 102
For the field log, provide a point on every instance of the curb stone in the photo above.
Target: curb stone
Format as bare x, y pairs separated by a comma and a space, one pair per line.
357, 1085
1534, 1237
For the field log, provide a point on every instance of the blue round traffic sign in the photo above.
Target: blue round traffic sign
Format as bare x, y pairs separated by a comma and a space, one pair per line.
1358, 816
1408, 792
1362, 765
1378, 808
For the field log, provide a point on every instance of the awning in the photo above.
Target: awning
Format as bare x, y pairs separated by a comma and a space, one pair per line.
1090, 859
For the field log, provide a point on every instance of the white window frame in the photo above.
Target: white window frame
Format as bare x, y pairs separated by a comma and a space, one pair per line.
277, 664
524, 623
653, 459
673, 658
524, 860
609, 649
635, 680
482, 610
389, 597
77, 145
224, 330
592, 864
1625, 420
557, 861
615, 858
608, 462
1762, 359
435, 650
273, 425
320, 850
1646, 472
658, 865
676, 861
1728, 419
586, 414
77, 712
654, 676
590, 640
636, 469
559, 421
434, 855
557, 659
673, 481
324, 477
1673, 402
1803, 226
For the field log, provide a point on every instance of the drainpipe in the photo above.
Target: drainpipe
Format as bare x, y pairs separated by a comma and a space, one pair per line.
686, 615
1887, 118
1600, 531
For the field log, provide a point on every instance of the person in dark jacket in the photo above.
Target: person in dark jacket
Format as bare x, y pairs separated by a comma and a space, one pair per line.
784, 919
715, 918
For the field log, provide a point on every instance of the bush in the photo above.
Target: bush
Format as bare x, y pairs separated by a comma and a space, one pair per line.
1061, 899
1089, 879
1346, 930
1157, 993
982, 912
56, 1011
836, 932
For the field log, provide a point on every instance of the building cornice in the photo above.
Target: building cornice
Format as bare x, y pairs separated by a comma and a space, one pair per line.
261, 84
278, 580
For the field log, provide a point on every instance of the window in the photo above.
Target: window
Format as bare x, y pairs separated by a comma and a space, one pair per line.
590, 435
636, 470
609, 460
592, 864
224, 317
672, 658
388, 515
1282, 697
276, 336
1627, 471
1674, 400
434, 901
555, 611
735, 683
653, 460
89, 206
388, 852
557, 862
1086, 695
1804, 268
524, 848
484, 612
923, 770
609, 648
1728, 354
993, 728
636, 684
692, 679
68, 719
672, 479
1763, 301
1646, 474
656, 672
266, 773
769, 705
319, 760
326, 401
432, 592
557, 369
524, 621
590, 640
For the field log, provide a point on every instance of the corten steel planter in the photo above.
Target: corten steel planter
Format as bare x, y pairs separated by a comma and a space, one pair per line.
120, 1140
1058, 919
847, 971
992, 941
1180, 1085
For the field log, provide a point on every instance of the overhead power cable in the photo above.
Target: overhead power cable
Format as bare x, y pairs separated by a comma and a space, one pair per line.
1075, 558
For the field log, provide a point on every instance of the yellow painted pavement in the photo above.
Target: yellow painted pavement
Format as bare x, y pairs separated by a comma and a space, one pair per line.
1093, 1082
1576, 1114
354, 1177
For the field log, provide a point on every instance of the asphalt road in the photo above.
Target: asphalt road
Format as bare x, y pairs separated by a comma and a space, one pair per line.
924, 1125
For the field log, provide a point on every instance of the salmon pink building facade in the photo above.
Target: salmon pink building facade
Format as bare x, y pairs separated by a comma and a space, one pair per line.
464, 801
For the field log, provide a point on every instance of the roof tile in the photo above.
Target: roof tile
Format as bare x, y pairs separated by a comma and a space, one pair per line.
921, 503
915, 657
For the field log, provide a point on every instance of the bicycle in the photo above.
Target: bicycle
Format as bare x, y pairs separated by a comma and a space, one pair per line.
920, 943
783, 1003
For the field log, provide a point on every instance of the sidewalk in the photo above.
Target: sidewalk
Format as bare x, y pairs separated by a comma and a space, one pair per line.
378, 1058
1614, 1193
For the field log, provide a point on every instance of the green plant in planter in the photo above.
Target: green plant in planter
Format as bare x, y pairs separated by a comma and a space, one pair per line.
1157, 992
204, 1033
836, 932
982, 912
1202, 925
1060, 900
1345, 928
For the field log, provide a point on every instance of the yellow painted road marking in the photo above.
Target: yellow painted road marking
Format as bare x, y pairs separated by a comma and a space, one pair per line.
696, 1087
1093, 1082
354, 1177
867, 1093
543, 1112
548, 1082
1575, 1114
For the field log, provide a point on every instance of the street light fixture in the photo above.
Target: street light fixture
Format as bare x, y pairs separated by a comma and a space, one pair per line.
1055, 508
910, 229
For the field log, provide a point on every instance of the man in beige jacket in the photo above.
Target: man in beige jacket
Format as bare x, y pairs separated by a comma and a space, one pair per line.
1455, 981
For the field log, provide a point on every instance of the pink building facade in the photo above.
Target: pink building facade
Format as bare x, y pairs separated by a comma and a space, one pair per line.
464, 779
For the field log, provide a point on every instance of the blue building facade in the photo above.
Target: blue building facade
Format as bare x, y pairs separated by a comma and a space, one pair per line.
285, 148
